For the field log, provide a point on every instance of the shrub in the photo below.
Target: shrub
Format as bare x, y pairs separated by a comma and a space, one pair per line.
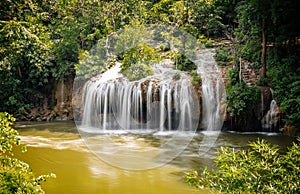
196, 78
15, 175
263, 82
176, 76
205, 41
184, 64
259, 169
138, 71
285, 82
141, 54
222, 56
91, 63
240, 98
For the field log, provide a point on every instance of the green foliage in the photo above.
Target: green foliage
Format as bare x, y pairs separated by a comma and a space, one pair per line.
241, 98
26, 58
222, 56
263, 82
205, 41
281, 28
138, 71
7, 133
176, 76
285, 81
15, 175
140, 54
183, 63
259, 169
66, 46
42, 41
137, 62
92, 63
251, 52
196, 78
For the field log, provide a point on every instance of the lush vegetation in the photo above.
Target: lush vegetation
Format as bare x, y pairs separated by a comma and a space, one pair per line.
42, 42
266, 35
259, 169
15, 175
241, 99
223, 57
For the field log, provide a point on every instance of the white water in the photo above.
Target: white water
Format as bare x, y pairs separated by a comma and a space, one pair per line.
159, 102
212, 91
269, 120
62, 93
163, 104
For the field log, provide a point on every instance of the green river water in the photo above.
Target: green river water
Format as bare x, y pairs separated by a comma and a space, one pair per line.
57, 147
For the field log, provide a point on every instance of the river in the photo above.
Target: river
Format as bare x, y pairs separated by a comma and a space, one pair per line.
57, 147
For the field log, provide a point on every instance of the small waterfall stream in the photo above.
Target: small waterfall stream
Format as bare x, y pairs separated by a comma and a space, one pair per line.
212, 91
270, 120
62, 93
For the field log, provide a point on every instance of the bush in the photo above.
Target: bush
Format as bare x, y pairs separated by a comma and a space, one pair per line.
184, 64
176, 76
196, 78
205, 41
251, 52
285, 82
263, 82
92, 63
15, 175
240, 98
260, 169
141, 54
222, 56
138, 71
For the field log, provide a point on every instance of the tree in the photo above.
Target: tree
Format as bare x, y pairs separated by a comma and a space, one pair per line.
264, 17
25, 57
259, 169
266, 33
15, 175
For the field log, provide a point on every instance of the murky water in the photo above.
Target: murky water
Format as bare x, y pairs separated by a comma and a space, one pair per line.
58, 148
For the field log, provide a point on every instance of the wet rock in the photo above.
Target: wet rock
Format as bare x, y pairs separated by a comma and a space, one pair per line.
289, 130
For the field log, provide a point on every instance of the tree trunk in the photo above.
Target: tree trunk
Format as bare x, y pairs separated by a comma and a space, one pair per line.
263, 50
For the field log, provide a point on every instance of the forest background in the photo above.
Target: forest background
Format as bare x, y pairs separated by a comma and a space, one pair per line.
42, 41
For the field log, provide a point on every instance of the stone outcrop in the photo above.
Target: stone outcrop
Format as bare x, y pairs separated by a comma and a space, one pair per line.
57, 106
63, 98
259, 118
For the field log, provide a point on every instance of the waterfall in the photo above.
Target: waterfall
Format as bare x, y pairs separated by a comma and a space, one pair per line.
62, 93
212, 91
152, 103
269, 121
112, 102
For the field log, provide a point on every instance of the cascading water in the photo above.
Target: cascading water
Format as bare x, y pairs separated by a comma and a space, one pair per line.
212, 91
165, 104
62, 93
270, 121
158, 102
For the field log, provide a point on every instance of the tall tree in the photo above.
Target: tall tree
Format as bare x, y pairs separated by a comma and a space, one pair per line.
25, 56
